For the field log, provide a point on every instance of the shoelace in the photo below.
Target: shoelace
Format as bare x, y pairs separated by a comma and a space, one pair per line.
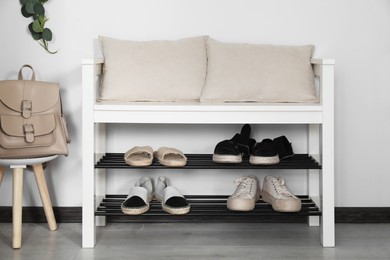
281, 189
245, 186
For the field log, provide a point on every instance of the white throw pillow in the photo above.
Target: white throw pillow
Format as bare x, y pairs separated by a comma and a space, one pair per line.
258, 73
153, 70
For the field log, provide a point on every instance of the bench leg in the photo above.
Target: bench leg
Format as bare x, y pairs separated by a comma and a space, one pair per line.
45, 197
17, 186
2, 171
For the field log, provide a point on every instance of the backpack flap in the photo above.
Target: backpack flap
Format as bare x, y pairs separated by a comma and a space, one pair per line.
28, 97
36, 131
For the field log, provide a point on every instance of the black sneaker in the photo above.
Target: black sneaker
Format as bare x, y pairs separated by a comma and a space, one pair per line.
243, 140
283, 147
227, 151
264, 153
232, 151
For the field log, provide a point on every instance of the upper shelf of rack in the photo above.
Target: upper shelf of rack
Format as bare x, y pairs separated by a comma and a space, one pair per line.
204, 161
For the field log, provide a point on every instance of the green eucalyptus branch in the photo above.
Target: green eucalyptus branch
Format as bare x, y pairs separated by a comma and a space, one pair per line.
35, 9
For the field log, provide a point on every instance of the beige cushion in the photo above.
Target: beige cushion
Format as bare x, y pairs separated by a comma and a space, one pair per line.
153, 70
258, 73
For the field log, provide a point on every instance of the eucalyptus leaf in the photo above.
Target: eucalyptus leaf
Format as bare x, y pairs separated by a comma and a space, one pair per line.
47, 34
30, 7
25, 13
39, 9
30, 28
37, 27
23, 2
41, 20
36, 36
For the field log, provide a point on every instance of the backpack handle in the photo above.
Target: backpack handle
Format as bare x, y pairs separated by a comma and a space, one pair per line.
20, 76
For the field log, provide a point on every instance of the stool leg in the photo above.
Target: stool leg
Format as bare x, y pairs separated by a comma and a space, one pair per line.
2, 171
45, 197
17, 180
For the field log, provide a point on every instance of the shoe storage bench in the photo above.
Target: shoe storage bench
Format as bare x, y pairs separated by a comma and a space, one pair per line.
318, 204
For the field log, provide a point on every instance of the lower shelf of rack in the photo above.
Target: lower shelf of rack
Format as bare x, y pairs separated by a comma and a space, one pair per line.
206, 208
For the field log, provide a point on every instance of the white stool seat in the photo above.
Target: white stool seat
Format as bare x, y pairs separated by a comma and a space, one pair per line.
17, 166
26, 161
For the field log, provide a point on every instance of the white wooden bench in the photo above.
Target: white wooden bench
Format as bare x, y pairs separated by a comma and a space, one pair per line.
318, 117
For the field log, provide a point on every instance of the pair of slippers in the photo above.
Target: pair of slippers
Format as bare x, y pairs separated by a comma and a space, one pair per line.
266, 152
142, 156
143, 192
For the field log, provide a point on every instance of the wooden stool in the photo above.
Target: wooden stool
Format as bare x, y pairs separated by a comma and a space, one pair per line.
17, 166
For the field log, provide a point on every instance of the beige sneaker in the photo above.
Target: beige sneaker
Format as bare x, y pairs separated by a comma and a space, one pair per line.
246, 194
276, 193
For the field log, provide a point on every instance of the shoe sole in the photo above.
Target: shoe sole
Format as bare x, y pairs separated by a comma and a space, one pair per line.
282, 205
176, 211
135, 211
237, 204
139, 163
262, 160
170, 163
220, 158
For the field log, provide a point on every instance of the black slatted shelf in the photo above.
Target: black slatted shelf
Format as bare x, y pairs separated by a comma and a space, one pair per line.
206, 208
204, 161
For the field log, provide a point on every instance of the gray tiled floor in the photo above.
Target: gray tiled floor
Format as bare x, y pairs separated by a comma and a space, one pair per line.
198, 241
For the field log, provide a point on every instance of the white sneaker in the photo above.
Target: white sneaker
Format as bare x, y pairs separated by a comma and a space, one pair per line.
172, 201
137, 202
246, 194
276, 193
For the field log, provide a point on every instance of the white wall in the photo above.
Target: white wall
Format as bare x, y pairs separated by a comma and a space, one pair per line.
354, 32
